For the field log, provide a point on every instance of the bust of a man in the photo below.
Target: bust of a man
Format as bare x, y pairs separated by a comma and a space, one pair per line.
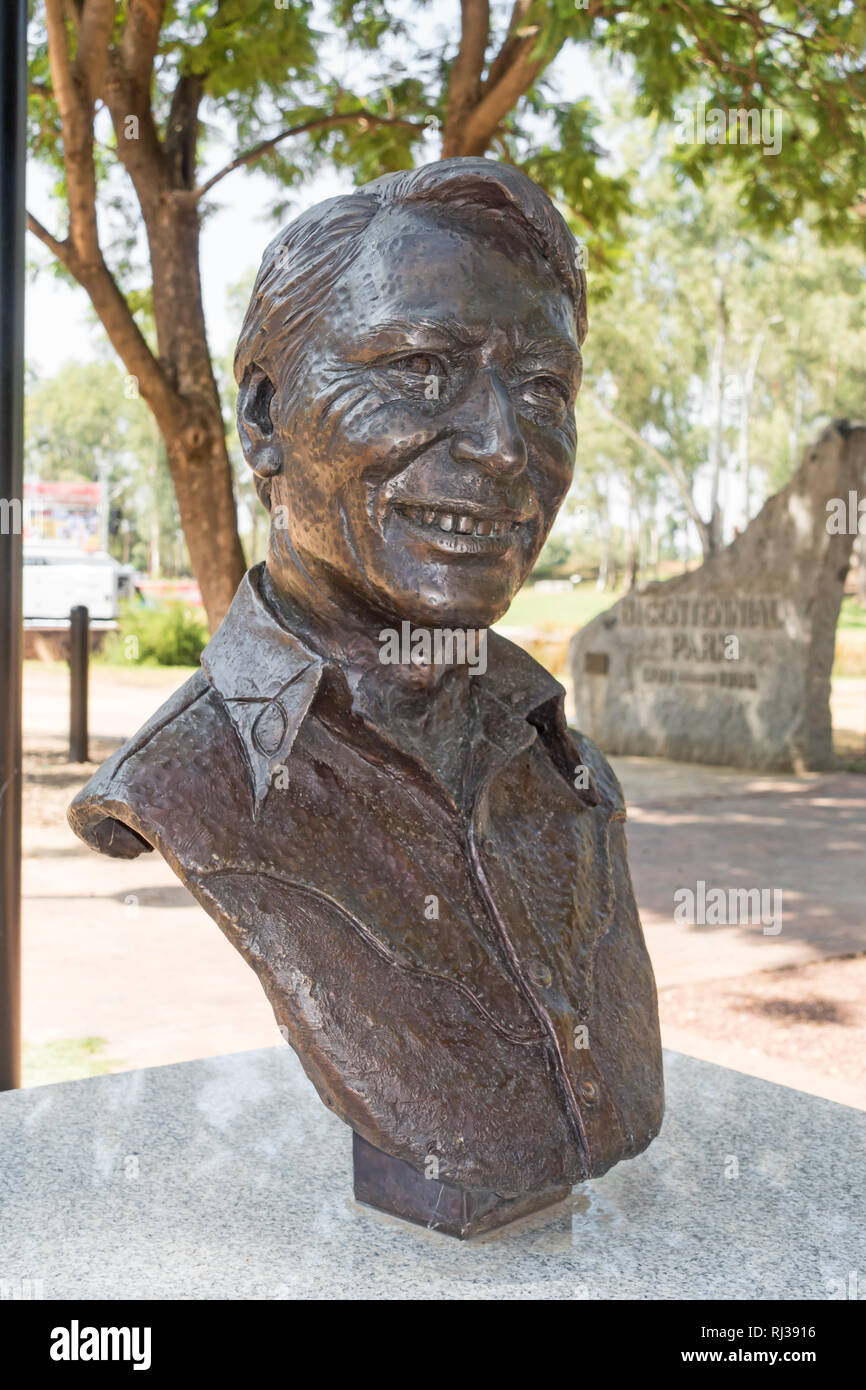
376, 797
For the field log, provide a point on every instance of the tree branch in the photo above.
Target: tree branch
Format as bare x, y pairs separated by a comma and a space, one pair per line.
94, 37
482, 123
124, 334
58, 248
465, 80
81, 253
76, 125
58, 56
502, 62
181, 131
140, 40
318, 123
141, 153
673, 469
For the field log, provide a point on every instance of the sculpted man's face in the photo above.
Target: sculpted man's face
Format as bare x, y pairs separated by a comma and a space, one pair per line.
432, 441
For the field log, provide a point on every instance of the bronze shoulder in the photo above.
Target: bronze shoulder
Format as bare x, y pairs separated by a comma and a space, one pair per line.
103, 813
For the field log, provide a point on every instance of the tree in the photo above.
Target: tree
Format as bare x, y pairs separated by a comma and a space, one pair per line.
82, 424
75, 417
719, 353
123, 90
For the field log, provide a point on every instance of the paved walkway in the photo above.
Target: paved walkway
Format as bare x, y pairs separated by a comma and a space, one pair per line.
118, 950
805, 837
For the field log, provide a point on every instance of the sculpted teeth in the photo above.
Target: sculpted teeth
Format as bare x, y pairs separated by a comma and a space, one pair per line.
460, 525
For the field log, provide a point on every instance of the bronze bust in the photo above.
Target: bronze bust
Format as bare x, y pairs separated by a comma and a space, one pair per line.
426, 869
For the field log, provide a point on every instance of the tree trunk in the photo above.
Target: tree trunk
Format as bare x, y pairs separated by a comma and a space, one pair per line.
178, 385
709, 532
154, 559
603, 564
654, 546
477, 104
632, 560
195, 439
711, 540
796, 417
748, 387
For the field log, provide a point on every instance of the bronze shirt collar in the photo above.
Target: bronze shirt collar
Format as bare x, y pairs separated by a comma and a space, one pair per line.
268, 678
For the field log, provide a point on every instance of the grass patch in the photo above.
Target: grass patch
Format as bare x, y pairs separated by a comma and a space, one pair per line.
853, 613
566, 610
584, 602
65, 1059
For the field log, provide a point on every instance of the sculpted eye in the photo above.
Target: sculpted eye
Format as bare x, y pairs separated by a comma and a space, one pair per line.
418, 364
549, 389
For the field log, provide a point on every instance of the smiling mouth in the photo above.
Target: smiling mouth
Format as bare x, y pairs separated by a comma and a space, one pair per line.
442, 521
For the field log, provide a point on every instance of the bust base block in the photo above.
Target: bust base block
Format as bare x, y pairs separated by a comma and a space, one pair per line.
391, 1185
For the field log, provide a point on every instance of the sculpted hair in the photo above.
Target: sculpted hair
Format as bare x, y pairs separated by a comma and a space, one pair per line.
305, 260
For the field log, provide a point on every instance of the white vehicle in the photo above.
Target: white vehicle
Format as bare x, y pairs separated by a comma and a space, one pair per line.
58, 577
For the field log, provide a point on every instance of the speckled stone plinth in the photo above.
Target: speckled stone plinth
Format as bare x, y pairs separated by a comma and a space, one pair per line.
227, 1178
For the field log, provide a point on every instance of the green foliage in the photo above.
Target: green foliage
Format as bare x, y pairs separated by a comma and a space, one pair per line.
85, 421
84, 410
241, 49
264, 69
555, 557
569, 163
374, 83
167, 634
795, 314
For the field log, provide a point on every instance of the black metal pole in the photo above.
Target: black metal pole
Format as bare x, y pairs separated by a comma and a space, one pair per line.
79, 653
13, 114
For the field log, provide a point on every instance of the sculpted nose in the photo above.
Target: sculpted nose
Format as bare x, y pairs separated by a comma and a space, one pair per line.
491, 434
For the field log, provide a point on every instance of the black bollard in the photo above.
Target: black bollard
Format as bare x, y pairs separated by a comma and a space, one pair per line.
79, 654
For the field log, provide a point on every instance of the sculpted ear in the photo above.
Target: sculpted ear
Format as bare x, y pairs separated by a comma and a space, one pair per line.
259, 440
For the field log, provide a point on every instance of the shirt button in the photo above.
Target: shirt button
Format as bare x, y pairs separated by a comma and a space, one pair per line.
589, 1090
539, 973
489, 846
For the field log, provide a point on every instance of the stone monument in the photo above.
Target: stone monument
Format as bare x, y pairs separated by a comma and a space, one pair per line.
377, 799
731, 663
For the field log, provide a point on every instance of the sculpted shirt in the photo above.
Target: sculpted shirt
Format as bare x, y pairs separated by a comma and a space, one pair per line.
466, 982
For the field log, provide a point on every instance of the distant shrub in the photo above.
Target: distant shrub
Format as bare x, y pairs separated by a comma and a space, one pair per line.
167, 634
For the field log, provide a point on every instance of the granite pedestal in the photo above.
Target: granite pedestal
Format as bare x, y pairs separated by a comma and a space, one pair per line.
227, 1178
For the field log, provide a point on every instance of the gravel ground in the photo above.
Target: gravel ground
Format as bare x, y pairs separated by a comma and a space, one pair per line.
814, 1013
